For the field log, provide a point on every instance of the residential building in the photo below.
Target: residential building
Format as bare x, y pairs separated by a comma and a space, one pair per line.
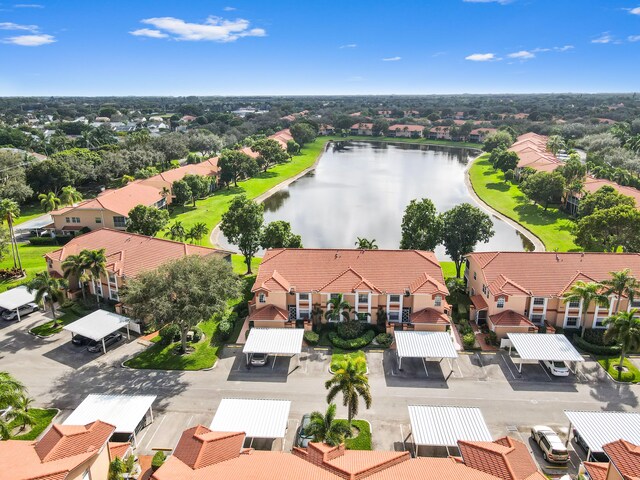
65, 452
202, 453
521, 291
406, 285
592, 185
411, 113
385, 113
405, 131
624, 463
362, 129
440, 133
458, 116
478, 135
128, 255
326, 130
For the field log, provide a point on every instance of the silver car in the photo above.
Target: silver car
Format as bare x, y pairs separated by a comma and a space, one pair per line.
259, 359
25, 310
553, 450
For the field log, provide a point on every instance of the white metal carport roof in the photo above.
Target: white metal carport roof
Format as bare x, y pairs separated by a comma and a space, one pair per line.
599, 428
16, 297
98, 325
256, 418
537, 346
125, 412
277, 341
444, 426
425, 345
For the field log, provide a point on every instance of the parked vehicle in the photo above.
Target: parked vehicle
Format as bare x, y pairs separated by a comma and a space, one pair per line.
302, 438
557, 369
553, 450
25, 310
259, 359
594, 457
80, 341
109, 340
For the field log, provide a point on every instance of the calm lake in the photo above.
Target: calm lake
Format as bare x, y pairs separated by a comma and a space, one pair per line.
363, 189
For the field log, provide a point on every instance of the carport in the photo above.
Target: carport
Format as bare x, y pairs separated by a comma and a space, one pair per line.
543, 347
435, 345
256, 418
274, 341
126, 412
444, 426
98, 325
15, 298
599, 428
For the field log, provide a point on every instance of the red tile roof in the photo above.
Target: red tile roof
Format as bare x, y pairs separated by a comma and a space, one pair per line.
505, 458
408, 128
129, 254
362, 126
344, 271
532, 151
592, 185
429, 316
200, 447
509, 318
269, 312
625, 456
596, 470
118, 449
479, 302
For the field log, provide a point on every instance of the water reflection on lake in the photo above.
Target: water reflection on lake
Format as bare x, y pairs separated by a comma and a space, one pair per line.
363, 189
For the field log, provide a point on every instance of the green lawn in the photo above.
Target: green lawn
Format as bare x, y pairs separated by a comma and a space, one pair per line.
29, 212
449, 269
240, 267
160, 357
211, 209
69, 315
32, 262
609, 364
363, 440
419, 141
42, 417
553, 227
341, 355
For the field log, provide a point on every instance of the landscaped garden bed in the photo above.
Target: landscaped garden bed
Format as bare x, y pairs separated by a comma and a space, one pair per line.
341, 355
42, 417
630, 374
69, 315
362, 435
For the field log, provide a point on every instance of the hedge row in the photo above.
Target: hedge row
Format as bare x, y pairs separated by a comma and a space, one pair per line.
595, 349
49, 241
353, 344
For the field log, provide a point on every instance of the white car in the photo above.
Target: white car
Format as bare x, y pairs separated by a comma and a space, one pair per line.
553, 450
557, 369
25, 310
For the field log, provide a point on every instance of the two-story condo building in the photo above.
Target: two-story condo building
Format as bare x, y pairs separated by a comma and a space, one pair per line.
406, 131
362, 128
521, 291
407, 285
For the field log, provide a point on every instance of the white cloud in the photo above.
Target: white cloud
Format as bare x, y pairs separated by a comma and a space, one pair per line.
522, 55
15, 26
481, 57
148, 32
391, 59
634, 38
501, 2
349, 45
30, 40
28, 5
604, 38
229, 9
214, 29
635, 11
564, 48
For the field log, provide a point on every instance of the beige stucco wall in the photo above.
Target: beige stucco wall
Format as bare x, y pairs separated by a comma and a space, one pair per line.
501, 332
87, 219
425, 327
613, 474
268, 323
99, 468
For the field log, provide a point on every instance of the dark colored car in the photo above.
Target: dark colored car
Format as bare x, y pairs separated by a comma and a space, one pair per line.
109, 340
302, 438
259, 359
595, 456
80, 341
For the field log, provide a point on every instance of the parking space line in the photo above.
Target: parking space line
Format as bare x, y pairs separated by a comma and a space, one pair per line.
545, 372
507, 364
154, 433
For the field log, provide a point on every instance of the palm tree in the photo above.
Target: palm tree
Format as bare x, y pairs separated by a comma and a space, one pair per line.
624, 327
325, 428
365, 244
176, 231
337, 309
585, 293
350, 380
76, 266
48, 289
9, 211
198, 231
69, 195
165, 193
21, 413
49, 201
96, 262
555, 144
621, 283
11, 393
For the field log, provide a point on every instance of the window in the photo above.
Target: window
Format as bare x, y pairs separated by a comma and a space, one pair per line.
473, 291
393, 316
500, 303
572, 322
114, 295
363, 298
394, 298
112, 278
599, 322
262, 298
574, 304
536, 318
67, 219
98, 288
75, 219
438, 301
474, 275
484, 289
334, 296
119, 222
304, 315
98, 220
538, 301
303, 296
635, 303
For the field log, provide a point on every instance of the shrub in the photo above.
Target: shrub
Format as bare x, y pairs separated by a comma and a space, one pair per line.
384, 340
509, 176
68, 303
158, 459
312, 338
469, 340
596, 337
595, 349
169, 334
242, 310
353, 343
49, 241
350, 329
197, 334
492, 339
225, 328
464, 328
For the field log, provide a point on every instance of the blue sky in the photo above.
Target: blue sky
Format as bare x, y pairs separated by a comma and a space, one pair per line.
251, 47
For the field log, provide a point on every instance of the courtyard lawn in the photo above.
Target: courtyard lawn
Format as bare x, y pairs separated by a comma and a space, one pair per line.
341, 355
32, 262
363, 440
161, 357
211, 209
631, 375
68, 316
417, 141
553, 227
42, 418
237, 261
449, 269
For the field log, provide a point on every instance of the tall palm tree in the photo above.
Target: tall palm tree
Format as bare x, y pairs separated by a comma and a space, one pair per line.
49, 201
325, 428
624, 328
338, 309
621, 283
366, 244
96, 261
176, 231
165, 193
21, 412
69, 195
586, 293
350, 380
555, 144
76, 266
9, 211
198, 231
48, 290
11, 393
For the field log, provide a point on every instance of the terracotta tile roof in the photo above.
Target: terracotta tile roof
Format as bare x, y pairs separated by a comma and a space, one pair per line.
504, 285
483, 130
200, 447
408, 128
430, 316
592, 185
505, 458
118, 449
532, 151
62, 449
547, 274
479, 302
423, 468
362, 126
129, 254
342, 271
509, 318
625, 456
596, 470
269, 312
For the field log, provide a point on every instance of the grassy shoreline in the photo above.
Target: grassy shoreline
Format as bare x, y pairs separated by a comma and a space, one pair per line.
411, 141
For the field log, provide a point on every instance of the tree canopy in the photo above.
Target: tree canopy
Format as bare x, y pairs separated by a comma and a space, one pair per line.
242, 225
147, 220
278, 234
235, 165
543, 187
421, 226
